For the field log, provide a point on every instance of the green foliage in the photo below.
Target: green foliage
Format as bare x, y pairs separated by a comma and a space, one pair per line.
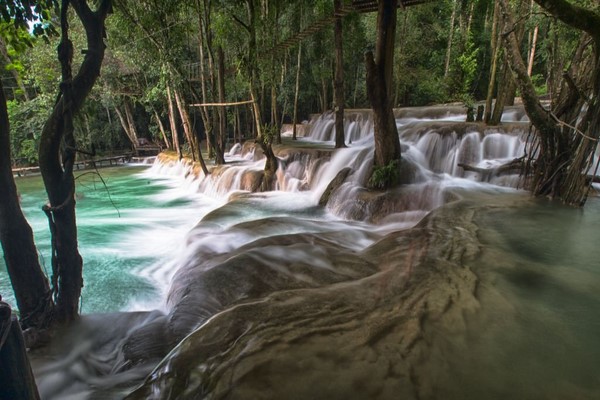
539, 83
269, 132
27, 120
385, 177
29, 15
467, 62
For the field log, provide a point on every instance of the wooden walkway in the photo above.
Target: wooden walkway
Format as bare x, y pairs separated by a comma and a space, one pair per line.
359, 6
83, 164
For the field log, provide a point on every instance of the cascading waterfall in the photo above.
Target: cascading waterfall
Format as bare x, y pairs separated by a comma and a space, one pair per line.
272, 295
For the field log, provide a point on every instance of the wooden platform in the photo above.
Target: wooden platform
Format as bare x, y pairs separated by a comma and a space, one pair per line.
83, 164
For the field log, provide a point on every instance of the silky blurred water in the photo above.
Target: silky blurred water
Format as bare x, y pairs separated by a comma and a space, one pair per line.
125, 227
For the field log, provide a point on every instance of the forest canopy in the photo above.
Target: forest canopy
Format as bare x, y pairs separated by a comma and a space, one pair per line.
444, 53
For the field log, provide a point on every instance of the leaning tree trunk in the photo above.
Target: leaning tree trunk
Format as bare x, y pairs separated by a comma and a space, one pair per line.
379, 81
29, 283
185, 118
132, 136
173, 124
185, 121
57, 154
161, 127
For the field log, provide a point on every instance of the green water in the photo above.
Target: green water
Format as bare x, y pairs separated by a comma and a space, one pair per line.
537, 334
118, 227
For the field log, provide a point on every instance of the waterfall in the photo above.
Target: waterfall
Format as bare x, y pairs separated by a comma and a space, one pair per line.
434, 143
271, 290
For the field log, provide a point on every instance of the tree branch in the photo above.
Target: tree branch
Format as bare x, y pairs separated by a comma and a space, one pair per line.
572, 15
538, 114
82, 8
239, 21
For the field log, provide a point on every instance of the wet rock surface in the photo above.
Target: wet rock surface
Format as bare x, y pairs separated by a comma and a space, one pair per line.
359, 327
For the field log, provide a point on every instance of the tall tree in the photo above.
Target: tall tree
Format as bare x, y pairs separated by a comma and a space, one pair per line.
339, 77
567, 135
32, 291
58, 149
379, 84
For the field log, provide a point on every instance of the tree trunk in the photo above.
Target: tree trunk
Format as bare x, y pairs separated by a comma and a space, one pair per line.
126, 128
339, 78
185, 118
173, 123
185, 121
324, 99
161, 127
495, 50
131, 122
532, 50
210, 121
274, 112
220, 148
297, 92
506, 85
450, 38
58, 150
29, 283
379, 81
238, 125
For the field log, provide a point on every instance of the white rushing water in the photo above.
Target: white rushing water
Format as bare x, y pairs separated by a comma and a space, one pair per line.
221, 250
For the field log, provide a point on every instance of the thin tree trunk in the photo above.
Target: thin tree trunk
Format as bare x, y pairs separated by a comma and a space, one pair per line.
185, 118
204, 38
238, 125
356, 85
126, 127
325, 100
339, 78
173, 123
161, 127
274, 112
297, 92
495, 50
450, 39
131, 123
532, 50
220, 148
185, 121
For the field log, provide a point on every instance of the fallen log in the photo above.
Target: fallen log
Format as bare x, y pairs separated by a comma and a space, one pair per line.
510, 167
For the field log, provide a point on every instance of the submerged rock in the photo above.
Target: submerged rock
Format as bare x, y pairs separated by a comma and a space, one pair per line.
360, 327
